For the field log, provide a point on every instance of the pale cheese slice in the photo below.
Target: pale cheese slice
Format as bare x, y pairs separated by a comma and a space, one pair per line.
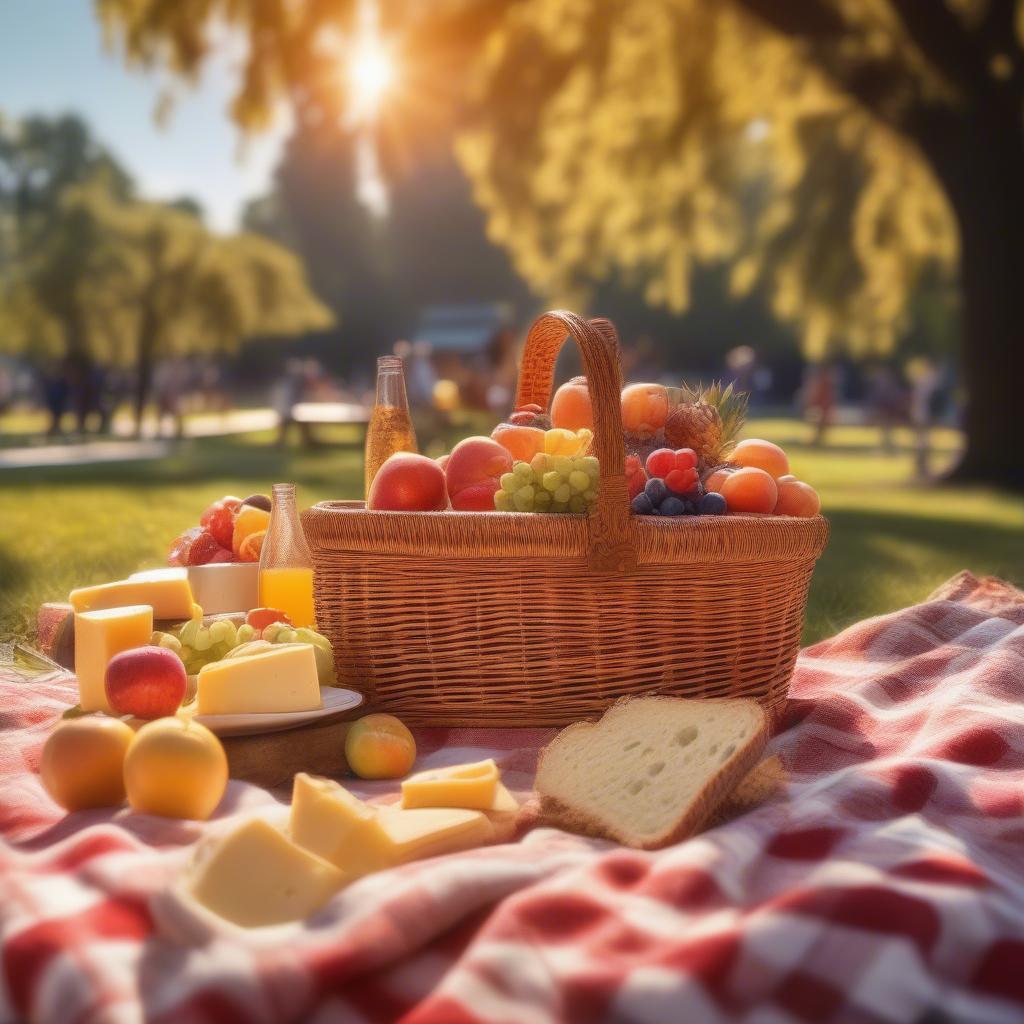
169, 597
256, 876
329, 821
281, 680
98, 637
431, 831
471, 786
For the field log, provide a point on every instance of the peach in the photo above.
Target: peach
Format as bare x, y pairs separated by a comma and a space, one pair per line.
408, 482
442, 460
521, 442
750, 490
571, 408
147, 682
761, 455
380, 747
83, 761
717, 478
797, 499
644, 408
177, 768
472, 473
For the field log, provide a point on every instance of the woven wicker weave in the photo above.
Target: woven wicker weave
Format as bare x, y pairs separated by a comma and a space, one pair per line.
511, 619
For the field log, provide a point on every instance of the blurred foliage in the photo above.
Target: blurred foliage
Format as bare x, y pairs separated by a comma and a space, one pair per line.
836, 153
123, 283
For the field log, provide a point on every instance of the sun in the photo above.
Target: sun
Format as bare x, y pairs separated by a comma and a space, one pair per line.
371, 75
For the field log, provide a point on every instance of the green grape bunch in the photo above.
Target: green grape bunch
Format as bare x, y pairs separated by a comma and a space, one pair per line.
549, 483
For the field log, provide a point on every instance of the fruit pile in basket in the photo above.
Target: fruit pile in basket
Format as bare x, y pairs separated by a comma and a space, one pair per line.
230, 530
682, 459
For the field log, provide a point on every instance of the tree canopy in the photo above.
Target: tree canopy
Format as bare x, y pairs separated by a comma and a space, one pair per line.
121, 282
835, 153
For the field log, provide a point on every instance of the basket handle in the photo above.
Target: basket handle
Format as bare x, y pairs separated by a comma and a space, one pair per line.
611, 547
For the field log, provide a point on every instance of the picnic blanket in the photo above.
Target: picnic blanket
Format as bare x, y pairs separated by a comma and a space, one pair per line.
883, 880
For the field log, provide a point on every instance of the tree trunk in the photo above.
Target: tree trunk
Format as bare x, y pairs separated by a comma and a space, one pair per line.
983, 173
144, 371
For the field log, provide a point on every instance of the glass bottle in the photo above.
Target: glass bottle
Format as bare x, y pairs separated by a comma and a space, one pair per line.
390, 428
286, 566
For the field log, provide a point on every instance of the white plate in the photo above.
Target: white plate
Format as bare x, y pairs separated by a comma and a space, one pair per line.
333, 699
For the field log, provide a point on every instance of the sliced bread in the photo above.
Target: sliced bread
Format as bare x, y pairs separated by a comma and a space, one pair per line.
652, 770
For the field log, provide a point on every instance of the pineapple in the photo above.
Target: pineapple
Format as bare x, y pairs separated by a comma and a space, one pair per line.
708, 421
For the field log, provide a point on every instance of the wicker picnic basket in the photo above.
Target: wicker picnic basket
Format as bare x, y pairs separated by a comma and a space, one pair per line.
512, 619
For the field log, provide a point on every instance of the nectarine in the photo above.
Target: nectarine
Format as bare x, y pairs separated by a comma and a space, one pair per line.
83, 760
797, 499
472, 473
177, 768
408, 482
380, 747
750, 490
571, 408
761, 454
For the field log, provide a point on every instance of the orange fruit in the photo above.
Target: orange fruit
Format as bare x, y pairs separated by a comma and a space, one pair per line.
750, 490
252, 547
761, 454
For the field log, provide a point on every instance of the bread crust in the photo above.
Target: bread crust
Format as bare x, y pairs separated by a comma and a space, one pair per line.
555, 812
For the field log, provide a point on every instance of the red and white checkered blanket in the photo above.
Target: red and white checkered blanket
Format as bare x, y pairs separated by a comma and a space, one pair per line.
883, 882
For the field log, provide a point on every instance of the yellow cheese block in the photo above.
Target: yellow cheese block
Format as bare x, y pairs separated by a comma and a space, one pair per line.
98, 637
329, 821
463, 785
169, 596
275, 681
256, 876
431, 831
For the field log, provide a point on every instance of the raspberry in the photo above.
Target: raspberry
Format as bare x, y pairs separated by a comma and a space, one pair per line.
681, 480
661, 462
635, 476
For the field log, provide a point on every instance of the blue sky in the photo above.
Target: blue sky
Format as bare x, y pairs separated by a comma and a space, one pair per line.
52, 59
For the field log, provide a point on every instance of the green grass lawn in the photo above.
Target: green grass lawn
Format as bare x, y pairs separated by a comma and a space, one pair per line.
892, 541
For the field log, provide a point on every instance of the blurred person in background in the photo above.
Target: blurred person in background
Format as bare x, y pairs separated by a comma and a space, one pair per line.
818, 398
886, 403
288, 393
55, 388
170, 382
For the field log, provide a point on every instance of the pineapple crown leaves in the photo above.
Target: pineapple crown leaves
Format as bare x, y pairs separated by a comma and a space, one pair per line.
731, 406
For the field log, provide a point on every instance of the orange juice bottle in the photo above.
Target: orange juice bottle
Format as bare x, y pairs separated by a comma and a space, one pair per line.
286, 566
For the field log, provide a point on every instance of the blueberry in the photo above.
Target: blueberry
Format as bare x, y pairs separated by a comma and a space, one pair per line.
672, 506
642, 505
656, 490
713, 504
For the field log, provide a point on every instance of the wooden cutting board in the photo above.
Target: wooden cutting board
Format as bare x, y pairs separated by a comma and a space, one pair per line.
272, 759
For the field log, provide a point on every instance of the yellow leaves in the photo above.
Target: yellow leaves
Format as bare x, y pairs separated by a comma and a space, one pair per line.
675, 132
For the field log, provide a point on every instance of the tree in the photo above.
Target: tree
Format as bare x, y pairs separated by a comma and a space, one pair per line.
835, 153
124, 284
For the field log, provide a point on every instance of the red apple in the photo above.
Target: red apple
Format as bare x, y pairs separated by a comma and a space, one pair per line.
408, 482
147, 682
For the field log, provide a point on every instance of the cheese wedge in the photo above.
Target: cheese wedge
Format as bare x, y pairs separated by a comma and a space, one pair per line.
280, 680
98, 637
169, 597
431, 831
471, 786
329, 821
256, 876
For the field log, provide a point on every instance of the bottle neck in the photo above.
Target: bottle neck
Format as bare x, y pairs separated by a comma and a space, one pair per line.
283, 498
391, 383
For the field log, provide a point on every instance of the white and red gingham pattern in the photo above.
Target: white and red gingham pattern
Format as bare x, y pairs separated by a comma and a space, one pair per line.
884, 882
